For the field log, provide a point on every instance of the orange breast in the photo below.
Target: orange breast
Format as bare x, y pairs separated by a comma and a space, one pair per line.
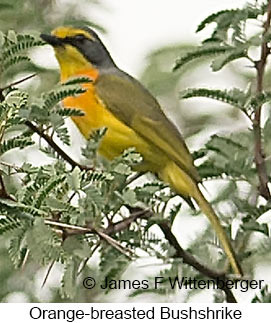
88, 103
118, 136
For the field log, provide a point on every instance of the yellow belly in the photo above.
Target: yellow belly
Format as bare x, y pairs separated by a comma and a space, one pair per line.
118, 136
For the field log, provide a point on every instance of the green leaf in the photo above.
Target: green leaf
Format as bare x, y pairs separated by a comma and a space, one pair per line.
231, 156
77, 247
255, 226
112, 263
17, 248
98, 176
78, 80
147, 192
122, 164
203, 51
69, 278
17, 142
224, 59
232, 21
93, 143
43, 243
74, 179
234, 97
63, 135
260, 99
18, 46
128, 197
14, 60
58, 94
122, 169
69, 112
4, 6
37, 113
8, 223
45, 190
213, 18
92, 204
264, 297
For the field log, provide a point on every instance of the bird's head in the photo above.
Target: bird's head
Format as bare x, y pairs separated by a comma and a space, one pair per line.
78, 49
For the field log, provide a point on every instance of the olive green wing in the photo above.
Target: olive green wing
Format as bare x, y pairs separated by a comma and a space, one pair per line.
133, 105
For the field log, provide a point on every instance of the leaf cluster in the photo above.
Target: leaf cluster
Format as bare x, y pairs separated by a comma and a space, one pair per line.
228, 41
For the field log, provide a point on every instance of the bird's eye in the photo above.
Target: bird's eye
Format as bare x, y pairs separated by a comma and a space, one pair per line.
80, 37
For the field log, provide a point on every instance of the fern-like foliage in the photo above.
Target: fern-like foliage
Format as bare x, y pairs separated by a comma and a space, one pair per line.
264, 297
94, 142
232, 156
8, 224
234, 97
60, 93
203, 51
234, 19
228, 41
17, 142
17, 247
43, 243
69, 112
78, 80
15, 47
48, 111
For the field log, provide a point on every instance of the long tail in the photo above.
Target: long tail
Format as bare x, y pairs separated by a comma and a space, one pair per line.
186, 186
209, 212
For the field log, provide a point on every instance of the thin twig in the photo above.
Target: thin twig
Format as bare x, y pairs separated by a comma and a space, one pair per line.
136, 213
26, 256
16, 168
258, 148
74, 229
51, 143
193, 262
18, 82
48, 273
133, 178
2, 97
78, 229
87, 259
115, 244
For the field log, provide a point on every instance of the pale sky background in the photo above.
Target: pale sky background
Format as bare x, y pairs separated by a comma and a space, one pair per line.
135, 27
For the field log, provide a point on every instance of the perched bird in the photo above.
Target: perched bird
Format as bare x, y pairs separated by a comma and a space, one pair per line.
132, 116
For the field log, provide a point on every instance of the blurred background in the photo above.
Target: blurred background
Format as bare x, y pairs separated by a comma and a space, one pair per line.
144, 38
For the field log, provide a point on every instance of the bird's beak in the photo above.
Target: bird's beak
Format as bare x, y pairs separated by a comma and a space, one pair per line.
52, 40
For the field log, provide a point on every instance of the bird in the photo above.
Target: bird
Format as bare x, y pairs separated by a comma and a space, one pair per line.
133, 118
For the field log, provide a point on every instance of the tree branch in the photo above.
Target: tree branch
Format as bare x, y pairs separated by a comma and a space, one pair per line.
138, 213
52, 144
43, 135
193, 262
2, 97
258, 148
18, 82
